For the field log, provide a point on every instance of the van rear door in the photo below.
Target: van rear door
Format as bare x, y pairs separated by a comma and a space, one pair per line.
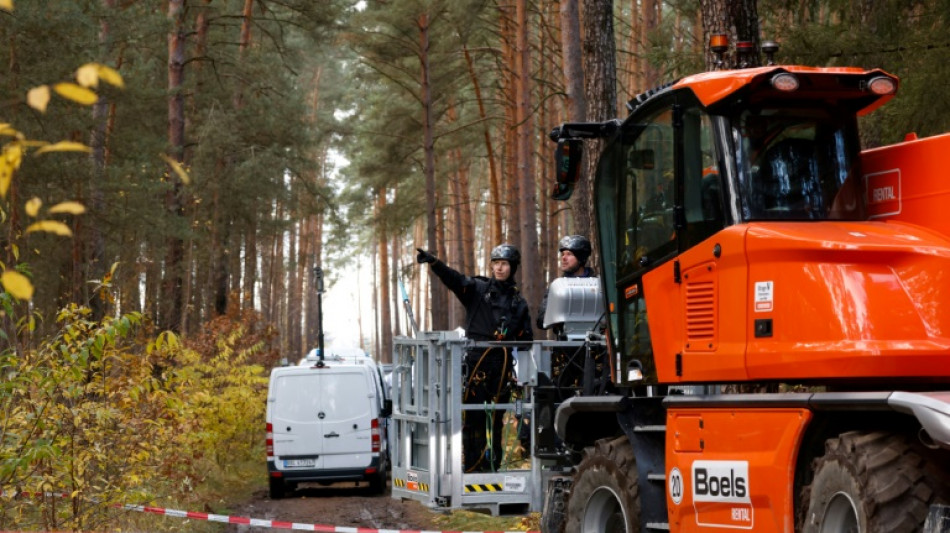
298, 428
348, 400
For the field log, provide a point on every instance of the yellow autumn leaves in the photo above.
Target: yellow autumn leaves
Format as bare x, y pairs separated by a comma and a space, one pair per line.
88, 77
12, 152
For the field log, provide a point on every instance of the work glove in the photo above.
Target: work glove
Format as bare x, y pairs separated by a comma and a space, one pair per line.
425, 257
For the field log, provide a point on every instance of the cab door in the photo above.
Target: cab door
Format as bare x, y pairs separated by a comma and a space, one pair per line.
636, 198
658, 195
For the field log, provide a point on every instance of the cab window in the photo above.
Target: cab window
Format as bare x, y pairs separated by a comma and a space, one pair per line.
647, 206
702, 189
795, 164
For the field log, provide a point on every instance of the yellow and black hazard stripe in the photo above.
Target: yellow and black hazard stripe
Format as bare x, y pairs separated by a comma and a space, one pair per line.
488, 487
417, 486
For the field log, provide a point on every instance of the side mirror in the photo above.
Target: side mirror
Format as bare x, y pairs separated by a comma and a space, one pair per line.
567, 163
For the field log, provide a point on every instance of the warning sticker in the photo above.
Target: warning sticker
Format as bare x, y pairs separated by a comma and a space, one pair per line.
763, 296
515, 484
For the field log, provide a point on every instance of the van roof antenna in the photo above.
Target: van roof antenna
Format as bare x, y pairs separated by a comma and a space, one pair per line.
318, 278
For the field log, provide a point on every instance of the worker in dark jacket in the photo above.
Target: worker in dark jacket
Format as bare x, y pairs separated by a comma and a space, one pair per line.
494, 311
574, 251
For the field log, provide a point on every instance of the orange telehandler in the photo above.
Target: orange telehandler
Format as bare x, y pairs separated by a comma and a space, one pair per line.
776, 311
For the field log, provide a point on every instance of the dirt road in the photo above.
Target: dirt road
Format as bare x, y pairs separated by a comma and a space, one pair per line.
339, 505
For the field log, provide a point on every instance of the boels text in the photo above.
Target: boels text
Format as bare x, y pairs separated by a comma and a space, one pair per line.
721, 481
705, 483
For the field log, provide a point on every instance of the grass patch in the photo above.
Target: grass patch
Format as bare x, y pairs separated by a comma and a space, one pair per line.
224, 487
471, 521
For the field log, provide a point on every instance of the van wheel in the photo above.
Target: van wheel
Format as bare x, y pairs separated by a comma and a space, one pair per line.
873, 482
377, 484
276, 488
604, 494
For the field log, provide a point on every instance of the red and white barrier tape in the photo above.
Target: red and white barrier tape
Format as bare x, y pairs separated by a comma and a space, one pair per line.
255, 522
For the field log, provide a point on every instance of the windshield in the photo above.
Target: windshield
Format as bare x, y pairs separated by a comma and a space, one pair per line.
797, 164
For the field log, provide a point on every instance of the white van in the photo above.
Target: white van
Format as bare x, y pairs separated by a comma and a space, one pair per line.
326, 422
349, 354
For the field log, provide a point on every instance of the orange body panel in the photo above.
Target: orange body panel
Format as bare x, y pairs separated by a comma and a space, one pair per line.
845, 300
910, 182
667, 301
732, 469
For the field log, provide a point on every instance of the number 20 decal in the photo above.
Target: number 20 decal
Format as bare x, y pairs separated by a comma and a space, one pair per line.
676, 485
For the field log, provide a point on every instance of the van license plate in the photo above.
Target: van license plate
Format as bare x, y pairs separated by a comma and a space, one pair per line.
296, 463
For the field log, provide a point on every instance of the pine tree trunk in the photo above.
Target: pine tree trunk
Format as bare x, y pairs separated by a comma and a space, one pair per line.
394, 300
600, 71
573, 70
236, 246
651, 21
511, 232
737, 18
572, 61
93, 265
530, 269
377, 347
385, 317
250, 263
293, 293
170, 318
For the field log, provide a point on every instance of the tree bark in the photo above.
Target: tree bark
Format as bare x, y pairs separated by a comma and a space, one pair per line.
572, 61
737, 18
650, 22
295, 291
94, 263
572, 64
394, 300
172, 283
530, 269
250, 263
600, 71
385, 317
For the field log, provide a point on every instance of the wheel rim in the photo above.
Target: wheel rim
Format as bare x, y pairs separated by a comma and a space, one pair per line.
604, 513
841, 515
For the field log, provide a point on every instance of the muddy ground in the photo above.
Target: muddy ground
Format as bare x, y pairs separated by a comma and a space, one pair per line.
341, 505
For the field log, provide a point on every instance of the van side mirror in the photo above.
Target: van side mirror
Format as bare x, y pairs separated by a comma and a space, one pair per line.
567, 163
387, 408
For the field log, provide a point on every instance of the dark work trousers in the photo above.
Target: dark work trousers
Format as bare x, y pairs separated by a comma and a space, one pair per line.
488, 375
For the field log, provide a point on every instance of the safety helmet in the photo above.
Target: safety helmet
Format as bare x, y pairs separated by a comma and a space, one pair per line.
578, 245
509, 253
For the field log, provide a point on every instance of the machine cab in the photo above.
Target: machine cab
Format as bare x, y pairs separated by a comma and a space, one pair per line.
695, 158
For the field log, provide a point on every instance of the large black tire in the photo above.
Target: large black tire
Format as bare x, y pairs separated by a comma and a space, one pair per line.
605, 494
873, 482
377, 483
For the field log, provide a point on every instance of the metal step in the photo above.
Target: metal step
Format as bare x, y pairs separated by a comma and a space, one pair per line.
658, 526
657, 477
650, 429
